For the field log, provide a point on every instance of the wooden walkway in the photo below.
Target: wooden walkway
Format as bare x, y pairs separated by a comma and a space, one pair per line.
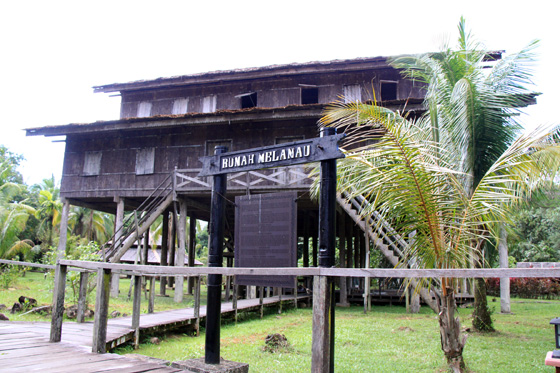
26, 349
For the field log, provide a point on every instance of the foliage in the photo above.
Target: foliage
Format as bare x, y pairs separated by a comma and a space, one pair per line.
9, 162
529, 288
13, 220
91, 224
88, 252
535, 236
9, 275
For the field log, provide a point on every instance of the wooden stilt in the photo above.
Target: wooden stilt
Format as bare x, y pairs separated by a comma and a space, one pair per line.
164, 250
58, 302
136, 301
82, 297
101, 311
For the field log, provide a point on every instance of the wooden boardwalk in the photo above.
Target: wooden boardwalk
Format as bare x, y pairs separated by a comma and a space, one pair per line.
26, 349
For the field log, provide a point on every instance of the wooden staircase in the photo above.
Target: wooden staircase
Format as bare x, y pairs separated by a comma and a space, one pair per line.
139, 221
383, 237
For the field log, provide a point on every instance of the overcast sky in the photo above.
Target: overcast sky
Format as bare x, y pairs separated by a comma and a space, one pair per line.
53, 52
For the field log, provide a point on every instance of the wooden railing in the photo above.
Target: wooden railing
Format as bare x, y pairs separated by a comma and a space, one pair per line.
293, 177
320, 277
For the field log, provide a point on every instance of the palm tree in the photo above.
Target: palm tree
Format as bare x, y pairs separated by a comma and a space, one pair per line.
411, 180
13, 219
91, 224
49, 208
472, 111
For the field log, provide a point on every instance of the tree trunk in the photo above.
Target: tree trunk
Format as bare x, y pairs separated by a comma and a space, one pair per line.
482, 317
452, 342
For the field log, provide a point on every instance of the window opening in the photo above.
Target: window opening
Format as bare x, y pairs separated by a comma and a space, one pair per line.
209, 104
309, 95
92, 163
180, 106
352, 93
248, 100
145, 161
144, 109
388, 91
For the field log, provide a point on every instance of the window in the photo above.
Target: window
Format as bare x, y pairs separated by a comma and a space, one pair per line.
92, 163
180, 106
209, 104
309, 95
145, 161
352, 93
248, 100
144, 109
388, 90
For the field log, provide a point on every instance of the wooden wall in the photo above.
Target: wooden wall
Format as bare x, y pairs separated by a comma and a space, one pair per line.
179, 146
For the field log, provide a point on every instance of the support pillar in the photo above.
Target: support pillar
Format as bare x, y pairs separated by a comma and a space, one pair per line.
342, 253
192, 251
323, 287
58, 302
101, 311
180, 260
119, 218
63, 229
215, 255
505, 304
164, 250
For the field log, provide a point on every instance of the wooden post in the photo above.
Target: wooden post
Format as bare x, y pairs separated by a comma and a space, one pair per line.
235, 291
314, 244
320, 359
367, 280
63, 228
180, 261
342, 252
280, 300
101, 311
58, 302
192, 251
295, 293
505, 305
261, 303
323, 287
164, 250
136, 301
82, 297
119, 219
215, 259
197, 303
173, 243
306, 240
152, 294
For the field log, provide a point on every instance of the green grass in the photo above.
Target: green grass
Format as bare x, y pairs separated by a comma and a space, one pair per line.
385, 340
34, 285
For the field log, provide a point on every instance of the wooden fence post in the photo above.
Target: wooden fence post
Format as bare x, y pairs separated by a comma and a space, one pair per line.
82, 297
321, 349
234, 300
152, 294
58, 302
101, 311
197, 303
261, 291
137, 298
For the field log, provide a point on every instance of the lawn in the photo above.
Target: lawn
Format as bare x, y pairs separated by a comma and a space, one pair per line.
385, 340
35, 285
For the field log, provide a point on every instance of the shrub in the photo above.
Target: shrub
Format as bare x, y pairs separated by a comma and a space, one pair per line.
530, 288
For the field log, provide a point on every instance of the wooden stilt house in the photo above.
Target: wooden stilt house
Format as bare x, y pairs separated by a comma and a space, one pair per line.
150, 156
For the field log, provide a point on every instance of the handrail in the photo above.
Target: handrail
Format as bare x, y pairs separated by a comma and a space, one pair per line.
146, 270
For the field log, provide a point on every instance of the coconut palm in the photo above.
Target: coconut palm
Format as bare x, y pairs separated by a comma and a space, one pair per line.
412, 181
473, 105
91, 224
13, 219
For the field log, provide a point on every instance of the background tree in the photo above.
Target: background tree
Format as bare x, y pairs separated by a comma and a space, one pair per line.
473, 104
13, 219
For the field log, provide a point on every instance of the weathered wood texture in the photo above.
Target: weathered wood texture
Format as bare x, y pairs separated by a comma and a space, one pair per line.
101, 310
332, 272
58, 302
29, 350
